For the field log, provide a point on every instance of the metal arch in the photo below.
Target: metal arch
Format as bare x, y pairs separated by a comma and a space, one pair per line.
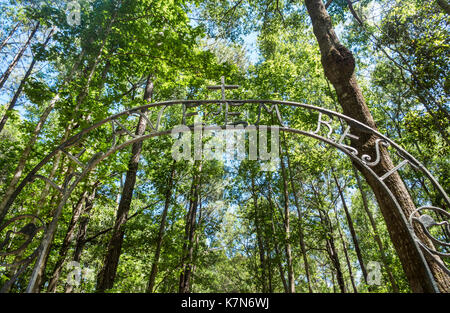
364, 161
74, 139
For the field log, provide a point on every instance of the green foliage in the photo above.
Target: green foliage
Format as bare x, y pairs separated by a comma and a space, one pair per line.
100, 67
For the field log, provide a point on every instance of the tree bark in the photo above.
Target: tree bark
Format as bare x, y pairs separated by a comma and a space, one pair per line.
331, 249
351, 228
376, 235
444, 5
16, 59
300, 218
344, 248
22, 84
290, 267
159, 241
66, 243
82, 230
259, 235
188, 246
339, 66
13, 30
106, 276
275, 244
84, 205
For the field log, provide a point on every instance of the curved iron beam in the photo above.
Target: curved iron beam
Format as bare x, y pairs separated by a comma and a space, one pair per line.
195, 103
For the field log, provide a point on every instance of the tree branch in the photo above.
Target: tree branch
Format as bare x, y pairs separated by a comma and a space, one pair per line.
110, 228
444, 5
352, 10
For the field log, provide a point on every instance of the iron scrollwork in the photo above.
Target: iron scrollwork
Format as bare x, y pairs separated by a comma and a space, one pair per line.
426, 222
15, 242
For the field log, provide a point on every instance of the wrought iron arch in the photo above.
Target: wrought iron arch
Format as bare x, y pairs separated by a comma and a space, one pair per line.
153, 130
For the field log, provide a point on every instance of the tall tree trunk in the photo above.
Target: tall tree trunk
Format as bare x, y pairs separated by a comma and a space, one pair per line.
344, 248
78, 210
259, 235
37, 279
40, 268
267, 244
13, 30
444, 5
376, 235
22, 84
197, 240
339, 66
331, 249
279, 256
275, 244
41, 261
6, 201
58, 157
288, 252
300, 218
159, 241
16, 59
347, 259
188, 246
66, 242
105, 279
351, 228
82, 230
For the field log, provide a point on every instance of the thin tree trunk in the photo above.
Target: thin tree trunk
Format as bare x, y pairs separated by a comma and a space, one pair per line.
275, 244
66, 243
13, 30
344, 248
339, 66
16, 59
79, 209
159, 241
258, 235
280, 266
22, 84
290, 267
82, 231
105, 279
349, 265
267, 242
331, 249
300, 218
70, 126
38, 274
197, 240
6, 201
376, 235
333, 281
40, 268
41, 262
188, 247
444, 5
351, 228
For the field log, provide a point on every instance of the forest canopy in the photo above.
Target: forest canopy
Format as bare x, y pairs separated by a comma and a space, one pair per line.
351, 98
